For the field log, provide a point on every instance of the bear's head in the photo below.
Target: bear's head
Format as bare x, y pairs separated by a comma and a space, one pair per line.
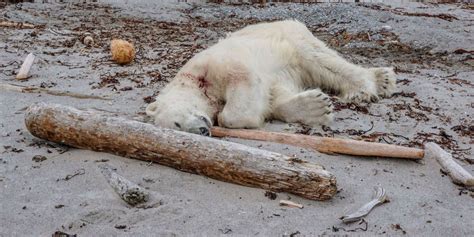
181, 109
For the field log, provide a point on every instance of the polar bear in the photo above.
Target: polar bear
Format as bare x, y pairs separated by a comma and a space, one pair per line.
275, 70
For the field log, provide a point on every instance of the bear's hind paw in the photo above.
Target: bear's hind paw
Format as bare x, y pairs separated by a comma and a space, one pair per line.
385, 80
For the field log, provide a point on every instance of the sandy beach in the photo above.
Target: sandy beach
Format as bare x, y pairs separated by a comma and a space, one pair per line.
431, 47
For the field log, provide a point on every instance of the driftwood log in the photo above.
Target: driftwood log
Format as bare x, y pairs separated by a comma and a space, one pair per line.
324, 144
457, 173
226, 161
25, 67
128, 191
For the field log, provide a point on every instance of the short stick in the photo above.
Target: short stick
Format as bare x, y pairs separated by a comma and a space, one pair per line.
25, 67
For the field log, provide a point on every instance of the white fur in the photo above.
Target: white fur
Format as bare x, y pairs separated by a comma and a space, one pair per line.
261, 72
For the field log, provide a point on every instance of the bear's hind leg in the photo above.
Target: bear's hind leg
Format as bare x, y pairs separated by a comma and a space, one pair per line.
330, 71
311, 107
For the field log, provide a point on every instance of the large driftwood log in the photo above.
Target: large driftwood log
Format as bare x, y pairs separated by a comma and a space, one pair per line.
214, 158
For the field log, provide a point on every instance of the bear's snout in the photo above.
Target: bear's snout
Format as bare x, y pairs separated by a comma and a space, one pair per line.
204, 131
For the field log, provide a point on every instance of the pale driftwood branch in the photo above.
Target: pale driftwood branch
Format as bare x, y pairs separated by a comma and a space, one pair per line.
457, 173
290, 204
380, 197
16, 24
128, 191
29, 89
25, 67
324, 144
226, 161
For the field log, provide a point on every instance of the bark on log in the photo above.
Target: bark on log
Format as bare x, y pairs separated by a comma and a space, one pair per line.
226, 161
324, 144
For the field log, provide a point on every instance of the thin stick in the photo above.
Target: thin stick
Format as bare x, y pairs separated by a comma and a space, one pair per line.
25, 67
16, 24
290, 204
457, 173
28, 89
324, 144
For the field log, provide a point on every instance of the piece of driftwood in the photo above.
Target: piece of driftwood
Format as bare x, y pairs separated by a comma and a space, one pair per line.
128, 191
16, 24
30, 89
226, 161
290, 204
380, 197
25, 67
324, 144
457, 173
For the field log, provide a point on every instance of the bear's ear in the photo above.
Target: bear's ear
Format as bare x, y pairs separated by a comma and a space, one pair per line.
152, 109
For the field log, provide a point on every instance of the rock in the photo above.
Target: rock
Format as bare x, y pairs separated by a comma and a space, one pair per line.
386, 28
88, 40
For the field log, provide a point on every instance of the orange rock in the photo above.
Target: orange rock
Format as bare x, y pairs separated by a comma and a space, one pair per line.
123, 52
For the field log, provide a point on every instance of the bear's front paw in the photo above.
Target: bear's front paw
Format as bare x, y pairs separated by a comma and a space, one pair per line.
311, 107
318, 108
229, 119
385, 81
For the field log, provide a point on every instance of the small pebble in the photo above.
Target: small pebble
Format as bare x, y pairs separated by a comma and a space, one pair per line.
386, 28
88, 40
39, 158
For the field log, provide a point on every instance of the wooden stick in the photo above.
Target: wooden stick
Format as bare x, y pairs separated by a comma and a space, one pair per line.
25, 67
16, 24
29, 89
324, 144
290, 204
226, 161
457, 173
128, 191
